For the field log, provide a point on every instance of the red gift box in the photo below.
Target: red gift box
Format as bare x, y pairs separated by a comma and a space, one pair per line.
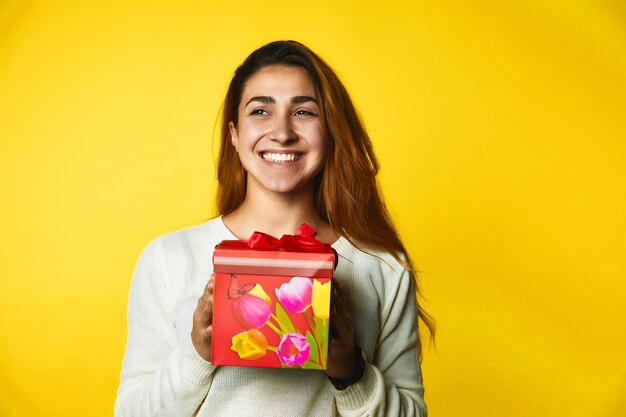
271, 301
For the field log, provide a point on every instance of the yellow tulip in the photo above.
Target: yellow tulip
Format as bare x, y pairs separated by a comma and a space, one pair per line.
321, 299
249, 345
258, 291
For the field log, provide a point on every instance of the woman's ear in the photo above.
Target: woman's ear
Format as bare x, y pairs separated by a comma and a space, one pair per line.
234, 139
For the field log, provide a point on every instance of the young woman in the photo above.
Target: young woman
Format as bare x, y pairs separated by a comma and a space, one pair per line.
293, 151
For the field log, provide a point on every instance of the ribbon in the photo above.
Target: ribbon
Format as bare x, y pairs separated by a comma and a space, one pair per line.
303, 241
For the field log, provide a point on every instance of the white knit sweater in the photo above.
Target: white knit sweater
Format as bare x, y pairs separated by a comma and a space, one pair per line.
162, 375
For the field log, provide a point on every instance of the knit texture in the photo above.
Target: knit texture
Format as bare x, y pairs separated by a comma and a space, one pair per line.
162, 375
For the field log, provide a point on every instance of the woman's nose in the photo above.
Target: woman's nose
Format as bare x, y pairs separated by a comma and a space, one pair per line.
282, 129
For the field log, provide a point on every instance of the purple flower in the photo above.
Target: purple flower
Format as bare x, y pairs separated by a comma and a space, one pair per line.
251, 311
293, 349
295, 296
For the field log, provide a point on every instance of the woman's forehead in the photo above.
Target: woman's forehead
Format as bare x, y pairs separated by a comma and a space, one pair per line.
278, 82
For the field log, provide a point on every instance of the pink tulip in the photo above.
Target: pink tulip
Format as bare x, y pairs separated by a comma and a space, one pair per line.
293, 349
295, 296
251, 311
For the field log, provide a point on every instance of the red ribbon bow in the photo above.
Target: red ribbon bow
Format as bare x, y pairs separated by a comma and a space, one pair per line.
303, 241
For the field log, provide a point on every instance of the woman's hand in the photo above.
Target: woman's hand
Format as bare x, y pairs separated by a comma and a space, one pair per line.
202, 331
341, 343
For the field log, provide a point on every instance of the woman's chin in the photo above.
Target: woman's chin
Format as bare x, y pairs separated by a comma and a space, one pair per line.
287, 188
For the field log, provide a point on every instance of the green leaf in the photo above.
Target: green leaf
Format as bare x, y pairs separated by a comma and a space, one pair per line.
309, 364
319, 327
313, 352
283, 320
321, 334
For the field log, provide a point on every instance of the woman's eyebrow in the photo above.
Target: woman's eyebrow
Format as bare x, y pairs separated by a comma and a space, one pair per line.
262, 99
302, 99
270, 100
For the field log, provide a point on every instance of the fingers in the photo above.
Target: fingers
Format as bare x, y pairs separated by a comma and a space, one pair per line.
204, 309
341, 325
341, 341
208, 299
202, 329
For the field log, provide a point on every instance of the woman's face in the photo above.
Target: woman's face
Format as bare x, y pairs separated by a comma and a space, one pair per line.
279, 135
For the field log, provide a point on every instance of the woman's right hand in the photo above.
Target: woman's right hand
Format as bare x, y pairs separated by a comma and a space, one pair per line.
202, 331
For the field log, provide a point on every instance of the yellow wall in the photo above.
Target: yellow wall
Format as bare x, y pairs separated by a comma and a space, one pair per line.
499, 125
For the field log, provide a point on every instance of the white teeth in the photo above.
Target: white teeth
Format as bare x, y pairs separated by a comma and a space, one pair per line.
279, 157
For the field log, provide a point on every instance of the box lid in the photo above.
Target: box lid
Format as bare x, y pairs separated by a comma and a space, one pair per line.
228, 259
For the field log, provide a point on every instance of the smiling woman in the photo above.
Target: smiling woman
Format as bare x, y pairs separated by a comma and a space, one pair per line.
293, 151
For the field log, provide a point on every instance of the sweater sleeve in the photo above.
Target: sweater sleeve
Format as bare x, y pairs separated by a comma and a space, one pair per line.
160, 376
392, 382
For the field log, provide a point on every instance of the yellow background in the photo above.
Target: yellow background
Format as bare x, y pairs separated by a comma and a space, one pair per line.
500, 129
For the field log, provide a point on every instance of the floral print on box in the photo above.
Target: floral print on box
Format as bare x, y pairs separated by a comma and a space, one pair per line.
253, 309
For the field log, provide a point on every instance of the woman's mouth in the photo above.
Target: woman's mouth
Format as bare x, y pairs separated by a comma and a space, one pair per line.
280, 157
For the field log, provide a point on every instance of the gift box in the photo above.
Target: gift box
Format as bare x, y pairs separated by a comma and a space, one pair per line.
271, 301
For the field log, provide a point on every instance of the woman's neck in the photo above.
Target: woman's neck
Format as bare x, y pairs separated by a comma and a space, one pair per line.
277, 214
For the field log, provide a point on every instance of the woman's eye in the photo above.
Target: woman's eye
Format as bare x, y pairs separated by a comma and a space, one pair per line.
258, 112
304, 112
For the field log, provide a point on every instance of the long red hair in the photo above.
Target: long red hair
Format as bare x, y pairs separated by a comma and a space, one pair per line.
347, 194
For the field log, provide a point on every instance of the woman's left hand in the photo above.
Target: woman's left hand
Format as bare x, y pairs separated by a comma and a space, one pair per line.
341, 342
